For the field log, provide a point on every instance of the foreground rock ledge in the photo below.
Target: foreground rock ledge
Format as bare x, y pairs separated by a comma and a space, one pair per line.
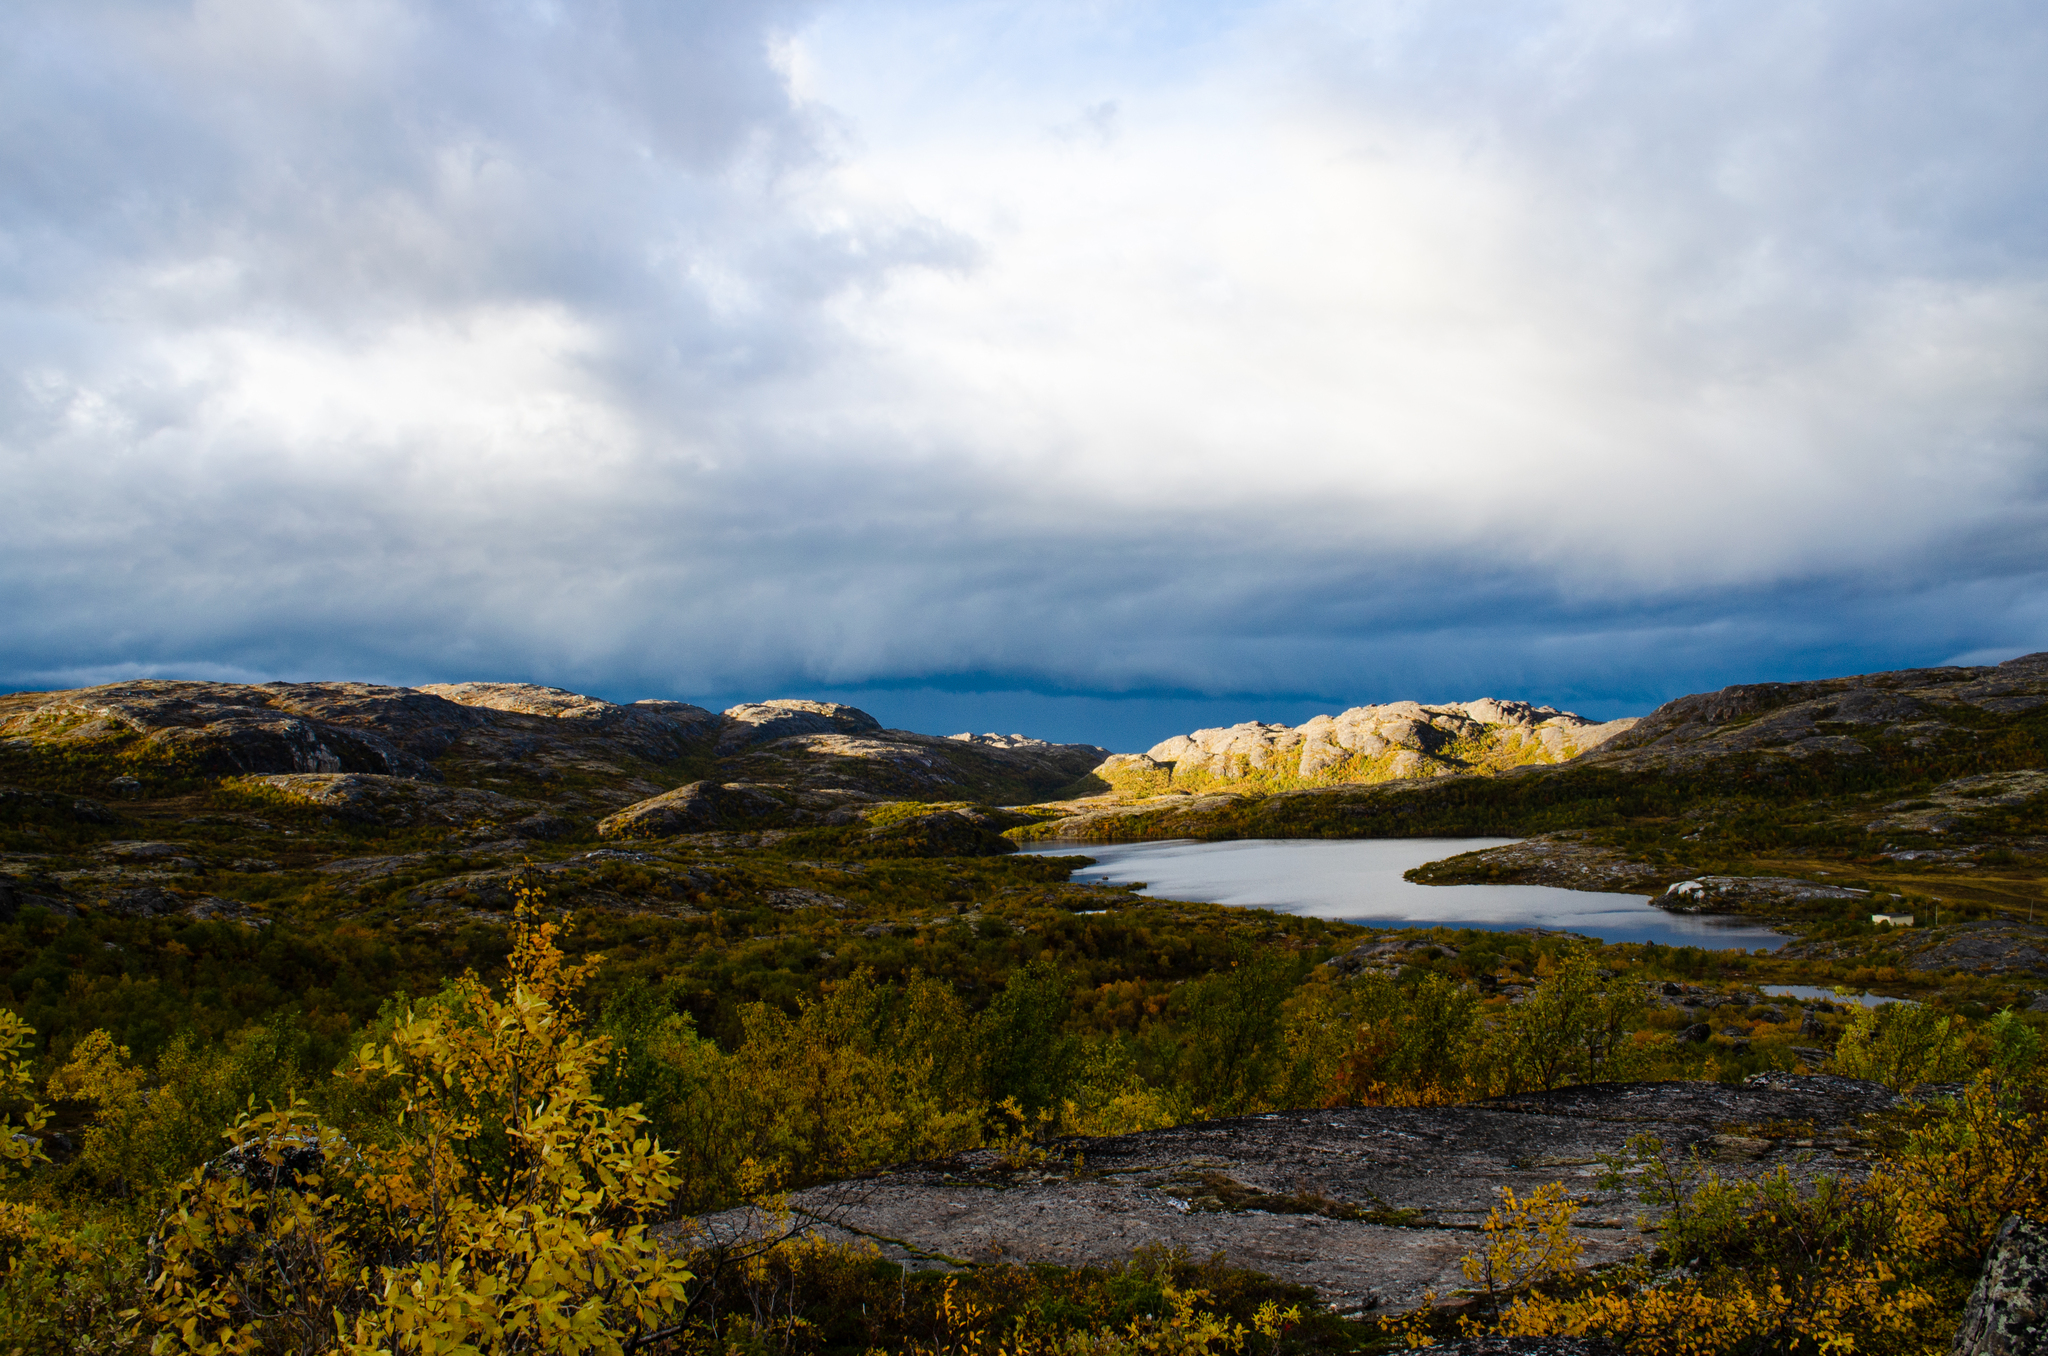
1232, 1186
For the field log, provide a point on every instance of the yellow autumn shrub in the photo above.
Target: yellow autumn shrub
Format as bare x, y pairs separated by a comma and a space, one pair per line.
1902, 1045
148, 1128
1816, 1268
1846, 1305
861, 1077
1528, 1239
20, 1146
1962, 1172
507, 1213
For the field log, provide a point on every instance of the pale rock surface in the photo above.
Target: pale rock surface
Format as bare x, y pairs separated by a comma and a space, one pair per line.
1373, 1206
528, 699
763, 722
1420, 737
1141, 761
1002, 741
1251, 746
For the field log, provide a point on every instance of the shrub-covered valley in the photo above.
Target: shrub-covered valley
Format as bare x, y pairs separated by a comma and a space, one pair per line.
486, 1017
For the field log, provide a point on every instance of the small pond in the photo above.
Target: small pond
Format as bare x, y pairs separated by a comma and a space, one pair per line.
1809, 993
1359, 880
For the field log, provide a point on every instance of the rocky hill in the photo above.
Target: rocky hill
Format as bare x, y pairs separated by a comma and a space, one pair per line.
1364, 744
1926, 785
1856, 717
1883, 729
540, 761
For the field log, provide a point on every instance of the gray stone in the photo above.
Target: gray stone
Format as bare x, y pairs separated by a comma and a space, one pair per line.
788, 900
1372, 1206
133, 851
2008, 1311
1820, 717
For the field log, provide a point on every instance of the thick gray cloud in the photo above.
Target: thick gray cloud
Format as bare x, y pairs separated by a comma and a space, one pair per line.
1235, 360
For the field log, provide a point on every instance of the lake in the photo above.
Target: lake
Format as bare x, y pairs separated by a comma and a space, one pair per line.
1359, 880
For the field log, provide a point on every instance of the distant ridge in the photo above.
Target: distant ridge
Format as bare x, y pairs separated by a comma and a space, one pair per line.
547, 758
1836, 748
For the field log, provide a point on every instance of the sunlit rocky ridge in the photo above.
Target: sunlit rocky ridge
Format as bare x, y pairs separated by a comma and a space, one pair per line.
1368, 744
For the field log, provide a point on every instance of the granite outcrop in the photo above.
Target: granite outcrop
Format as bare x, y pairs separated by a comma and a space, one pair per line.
1372, 1206
1375, 743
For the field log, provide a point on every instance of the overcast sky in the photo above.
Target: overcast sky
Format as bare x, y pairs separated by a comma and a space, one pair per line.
1095, 370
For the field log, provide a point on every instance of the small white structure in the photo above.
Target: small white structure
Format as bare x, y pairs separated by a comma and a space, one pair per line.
1897, 920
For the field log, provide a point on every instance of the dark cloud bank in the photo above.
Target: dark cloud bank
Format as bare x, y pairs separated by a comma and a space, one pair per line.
446, 341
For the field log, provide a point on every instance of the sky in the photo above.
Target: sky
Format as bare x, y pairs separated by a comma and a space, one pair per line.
1090, 369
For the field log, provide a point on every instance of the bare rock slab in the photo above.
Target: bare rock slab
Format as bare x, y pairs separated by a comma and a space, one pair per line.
1372, 1206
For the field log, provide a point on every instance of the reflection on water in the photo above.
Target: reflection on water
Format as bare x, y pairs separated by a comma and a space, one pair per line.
1809, 993
1359, 880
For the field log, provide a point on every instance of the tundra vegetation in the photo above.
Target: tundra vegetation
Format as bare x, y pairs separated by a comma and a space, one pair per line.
290, 1070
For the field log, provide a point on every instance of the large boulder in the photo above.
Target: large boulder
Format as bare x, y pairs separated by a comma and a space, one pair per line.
2008, 1311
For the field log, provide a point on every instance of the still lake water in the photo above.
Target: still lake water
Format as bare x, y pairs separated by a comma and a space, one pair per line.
1359, 880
